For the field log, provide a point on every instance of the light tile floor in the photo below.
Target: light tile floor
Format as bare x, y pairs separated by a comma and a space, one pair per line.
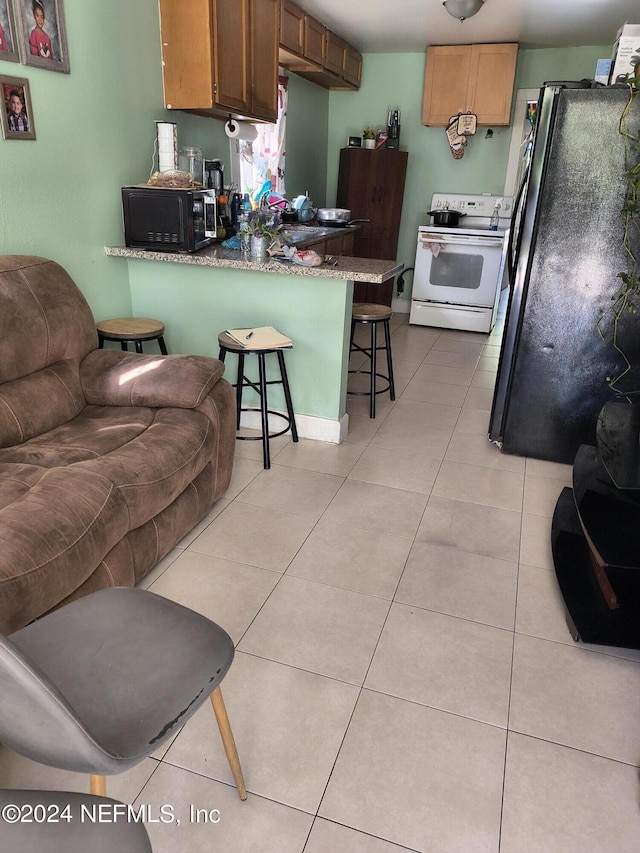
404, 678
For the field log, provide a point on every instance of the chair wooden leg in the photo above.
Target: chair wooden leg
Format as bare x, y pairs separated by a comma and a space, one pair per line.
98, 785
227, 741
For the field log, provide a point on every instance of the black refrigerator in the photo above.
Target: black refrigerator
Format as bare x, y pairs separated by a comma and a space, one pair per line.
566, 257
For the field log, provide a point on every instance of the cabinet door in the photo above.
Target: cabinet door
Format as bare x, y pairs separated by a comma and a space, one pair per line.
187, 57
335, 53
314, 40
371, 185
352, 65
383, 248
347, 244
492, 73
231, 55
264, 59
291, 27
446, 83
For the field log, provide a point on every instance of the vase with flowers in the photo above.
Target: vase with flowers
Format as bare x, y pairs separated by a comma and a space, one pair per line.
262, 226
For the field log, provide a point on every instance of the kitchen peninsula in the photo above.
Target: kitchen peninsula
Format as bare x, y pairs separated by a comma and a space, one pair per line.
199, 295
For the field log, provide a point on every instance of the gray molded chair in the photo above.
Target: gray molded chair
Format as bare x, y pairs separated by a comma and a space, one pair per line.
68, 829
99, 684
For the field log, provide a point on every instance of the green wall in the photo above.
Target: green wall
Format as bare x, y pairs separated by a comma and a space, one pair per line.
60, 193
396, 80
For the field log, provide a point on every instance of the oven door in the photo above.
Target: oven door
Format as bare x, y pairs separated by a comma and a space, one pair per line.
460, 269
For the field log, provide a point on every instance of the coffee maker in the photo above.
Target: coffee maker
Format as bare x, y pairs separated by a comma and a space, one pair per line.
393, 129
213, 176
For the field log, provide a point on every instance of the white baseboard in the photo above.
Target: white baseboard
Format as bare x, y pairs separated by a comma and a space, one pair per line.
319, 429
400, 306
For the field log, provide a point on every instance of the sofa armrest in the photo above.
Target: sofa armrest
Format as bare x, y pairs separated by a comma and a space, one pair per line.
116, 378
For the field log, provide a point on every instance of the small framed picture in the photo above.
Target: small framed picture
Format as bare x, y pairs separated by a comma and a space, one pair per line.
43, 36
8, 41
16, 114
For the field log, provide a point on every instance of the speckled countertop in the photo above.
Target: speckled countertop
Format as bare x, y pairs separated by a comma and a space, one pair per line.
345, 267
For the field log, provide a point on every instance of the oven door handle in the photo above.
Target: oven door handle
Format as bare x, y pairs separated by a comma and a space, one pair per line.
461, 241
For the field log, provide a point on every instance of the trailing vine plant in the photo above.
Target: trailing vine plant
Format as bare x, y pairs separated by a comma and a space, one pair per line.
627, 298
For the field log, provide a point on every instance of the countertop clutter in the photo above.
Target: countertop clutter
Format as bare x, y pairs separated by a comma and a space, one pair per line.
342, 267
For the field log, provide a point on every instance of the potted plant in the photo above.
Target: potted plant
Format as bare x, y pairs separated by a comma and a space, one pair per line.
369, 137
262, 225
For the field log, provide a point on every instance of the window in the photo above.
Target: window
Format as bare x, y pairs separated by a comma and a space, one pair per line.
262, 161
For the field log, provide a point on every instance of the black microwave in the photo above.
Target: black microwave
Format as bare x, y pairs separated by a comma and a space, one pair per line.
168, 220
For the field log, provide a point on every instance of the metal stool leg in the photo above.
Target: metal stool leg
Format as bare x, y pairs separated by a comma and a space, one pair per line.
353, 331
287, 395
124, 346
162, 345
239, 387
263, 410
374, 343
138, 346
387, 343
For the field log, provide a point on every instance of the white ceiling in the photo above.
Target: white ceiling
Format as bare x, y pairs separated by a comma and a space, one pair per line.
408, 26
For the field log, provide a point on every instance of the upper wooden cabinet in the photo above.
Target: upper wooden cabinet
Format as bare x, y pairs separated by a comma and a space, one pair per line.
315, 40
221, 57
469, 77
291, 27
312, 51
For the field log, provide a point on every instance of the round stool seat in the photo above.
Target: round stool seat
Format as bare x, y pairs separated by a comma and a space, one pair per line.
133, 330
368, 311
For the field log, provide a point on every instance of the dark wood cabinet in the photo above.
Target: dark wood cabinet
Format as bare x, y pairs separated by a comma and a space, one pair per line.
221, 57
371, 186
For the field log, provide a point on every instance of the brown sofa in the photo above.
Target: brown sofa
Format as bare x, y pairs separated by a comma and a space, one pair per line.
107, 458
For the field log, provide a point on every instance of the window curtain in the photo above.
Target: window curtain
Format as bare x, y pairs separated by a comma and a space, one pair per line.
269, 147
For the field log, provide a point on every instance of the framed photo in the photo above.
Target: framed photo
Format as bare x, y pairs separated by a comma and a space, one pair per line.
16, 113
43, 36
8, 41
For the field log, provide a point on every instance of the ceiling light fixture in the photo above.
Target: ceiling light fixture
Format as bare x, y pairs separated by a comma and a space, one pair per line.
463, 9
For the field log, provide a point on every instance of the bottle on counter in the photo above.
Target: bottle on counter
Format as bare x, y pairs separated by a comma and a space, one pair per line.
495, 218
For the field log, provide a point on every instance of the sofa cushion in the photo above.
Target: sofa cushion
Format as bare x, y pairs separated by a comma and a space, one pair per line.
116, 378
52, 537
155, 467
39, 402
16, 480
44, 317
150, 455
96, 431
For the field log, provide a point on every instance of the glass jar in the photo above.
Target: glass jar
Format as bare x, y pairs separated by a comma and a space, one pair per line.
190, 160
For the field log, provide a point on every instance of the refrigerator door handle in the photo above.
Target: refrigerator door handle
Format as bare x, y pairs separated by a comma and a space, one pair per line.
514, 233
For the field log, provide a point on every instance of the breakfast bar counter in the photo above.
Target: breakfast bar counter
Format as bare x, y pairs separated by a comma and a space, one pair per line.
199, 295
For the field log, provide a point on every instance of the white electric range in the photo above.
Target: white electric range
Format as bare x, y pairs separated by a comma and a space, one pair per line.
458, 270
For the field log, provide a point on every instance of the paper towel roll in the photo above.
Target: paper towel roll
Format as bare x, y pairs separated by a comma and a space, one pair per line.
240, 130
167, 141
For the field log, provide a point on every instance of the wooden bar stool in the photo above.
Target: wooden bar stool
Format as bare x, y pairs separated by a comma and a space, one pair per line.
133, 330
228, 344
372, 314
